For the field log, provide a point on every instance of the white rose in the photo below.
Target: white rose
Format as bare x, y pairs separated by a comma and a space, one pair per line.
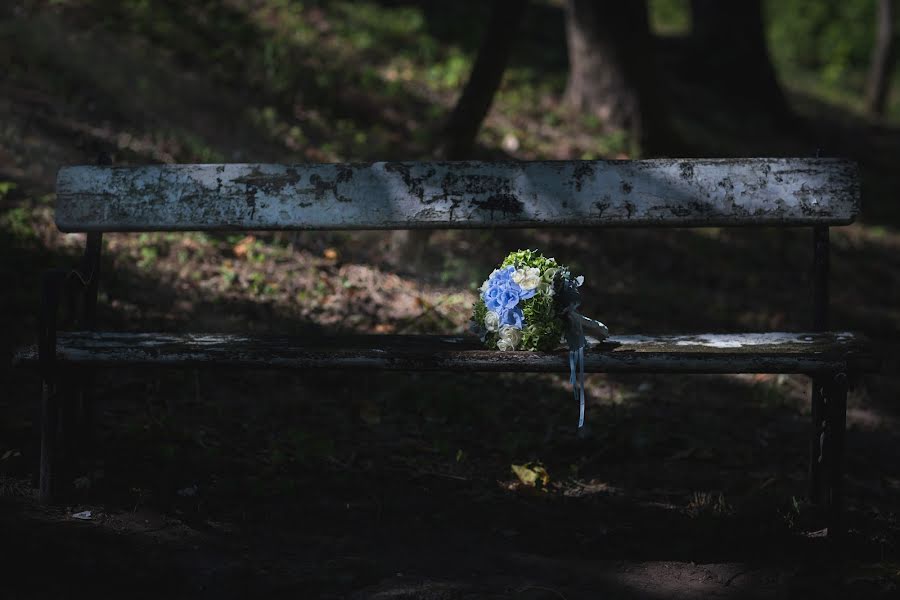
509, 338
492, 321
527, 278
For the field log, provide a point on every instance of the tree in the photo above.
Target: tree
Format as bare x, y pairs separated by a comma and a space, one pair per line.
731, 49
883, 57
462, 126
612, 72
457, 139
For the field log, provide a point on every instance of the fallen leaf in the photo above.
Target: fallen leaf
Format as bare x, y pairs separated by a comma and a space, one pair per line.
330, 254
532, 474
243, 246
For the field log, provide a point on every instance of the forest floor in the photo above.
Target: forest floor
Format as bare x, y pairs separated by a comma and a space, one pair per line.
226, 485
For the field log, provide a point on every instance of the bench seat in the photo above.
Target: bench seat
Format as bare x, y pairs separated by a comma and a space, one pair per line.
699, 353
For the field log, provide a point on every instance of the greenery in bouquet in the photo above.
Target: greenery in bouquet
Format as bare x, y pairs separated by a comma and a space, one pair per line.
522, 304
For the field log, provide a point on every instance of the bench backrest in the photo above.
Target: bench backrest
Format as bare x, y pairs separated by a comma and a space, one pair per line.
409, 195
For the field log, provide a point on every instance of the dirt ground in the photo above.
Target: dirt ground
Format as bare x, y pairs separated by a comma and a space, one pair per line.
222, 484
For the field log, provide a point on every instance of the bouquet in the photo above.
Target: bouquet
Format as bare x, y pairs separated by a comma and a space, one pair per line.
530, 303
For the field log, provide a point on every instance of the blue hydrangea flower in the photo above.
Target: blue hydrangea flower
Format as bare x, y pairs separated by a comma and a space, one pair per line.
513, 317
501, 293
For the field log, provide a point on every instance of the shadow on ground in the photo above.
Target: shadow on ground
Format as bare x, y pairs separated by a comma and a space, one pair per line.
221, 484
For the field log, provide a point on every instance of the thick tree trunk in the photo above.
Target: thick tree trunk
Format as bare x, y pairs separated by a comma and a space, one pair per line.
611, 69
731, 49
884, 56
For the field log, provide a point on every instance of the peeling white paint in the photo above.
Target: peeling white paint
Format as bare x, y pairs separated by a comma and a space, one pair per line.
675, 192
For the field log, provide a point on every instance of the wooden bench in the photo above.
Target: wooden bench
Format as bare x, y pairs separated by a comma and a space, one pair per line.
817, 193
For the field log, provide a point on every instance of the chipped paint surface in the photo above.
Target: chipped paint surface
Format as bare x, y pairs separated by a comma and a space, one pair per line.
701, 353
397, 195
771, 340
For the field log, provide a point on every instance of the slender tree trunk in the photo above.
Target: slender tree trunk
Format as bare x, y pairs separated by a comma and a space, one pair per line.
731, 47
475, 101
612, 72
457, 139
884, 56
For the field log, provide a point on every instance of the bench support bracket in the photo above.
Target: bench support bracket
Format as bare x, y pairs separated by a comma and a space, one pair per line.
817, 395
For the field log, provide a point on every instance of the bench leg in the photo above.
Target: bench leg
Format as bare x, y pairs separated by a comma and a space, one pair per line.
816, 439
86, 405
69, 444
836, 427
49, 421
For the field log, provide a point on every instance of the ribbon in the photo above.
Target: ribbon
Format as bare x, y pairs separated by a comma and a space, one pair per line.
577, 343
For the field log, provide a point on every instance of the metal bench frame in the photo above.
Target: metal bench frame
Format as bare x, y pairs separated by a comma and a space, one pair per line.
448, 195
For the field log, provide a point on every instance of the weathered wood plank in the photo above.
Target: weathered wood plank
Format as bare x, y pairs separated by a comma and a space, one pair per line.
398, 195
704, 353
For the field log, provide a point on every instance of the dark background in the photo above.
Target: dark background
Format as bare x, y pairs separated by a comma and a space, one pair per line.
212, 484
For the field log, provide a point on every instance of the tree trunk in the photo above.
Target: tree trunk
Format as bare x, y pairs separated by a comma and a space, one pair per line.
457, 140
612, 71
731, 49
883, 57
475, 101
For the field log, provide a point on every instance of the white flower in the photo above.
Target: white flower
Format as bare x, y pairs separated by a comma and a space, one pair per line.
579, 280
546, 289
492, 321
527, 278
509, 338
549, 274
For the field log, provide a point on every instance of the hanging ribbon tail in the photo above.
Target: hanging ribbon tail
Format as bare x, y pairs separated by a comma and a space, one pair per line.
581, 388
575, 337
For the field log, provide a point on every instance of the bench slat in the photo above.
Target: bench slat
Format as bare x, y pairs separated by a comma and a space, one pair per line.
400, 195
703, 353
